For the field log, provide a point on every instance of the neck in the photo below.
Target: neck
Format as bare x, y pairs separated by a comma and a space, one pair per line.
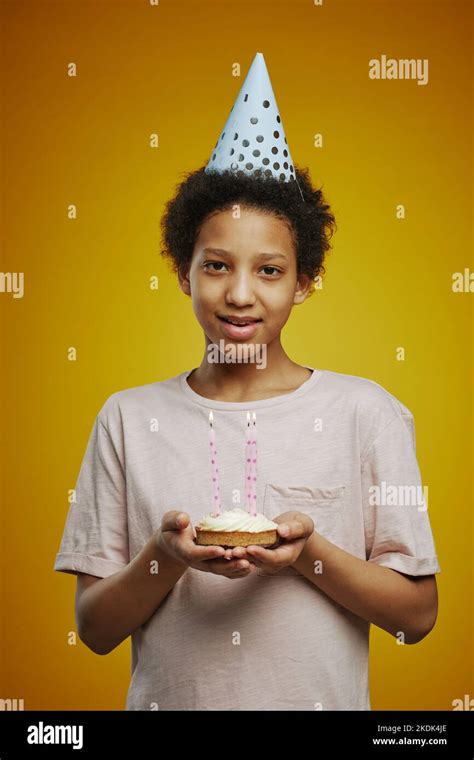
224, 370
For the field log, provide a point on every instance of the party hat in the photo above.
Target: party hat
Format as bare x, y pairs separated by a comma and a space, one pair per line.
253, 138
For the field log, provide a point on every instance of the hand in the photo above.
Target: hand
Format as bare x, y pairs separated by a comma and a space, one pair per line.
176, 538
294, 528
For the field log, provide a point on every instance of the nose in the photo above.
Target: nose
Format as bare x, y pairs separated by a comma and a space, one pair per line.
240, 290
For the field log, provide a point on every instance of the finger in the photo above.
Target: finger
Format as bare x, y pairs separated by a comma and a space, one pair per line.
268, 556
238, 551
242, 571
232, 564
175, 520
228, 566
295, 529
204, 553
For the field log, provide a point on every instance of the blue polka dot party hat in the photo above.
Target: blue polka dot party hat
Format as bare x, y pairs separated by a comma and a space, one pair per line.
253, 139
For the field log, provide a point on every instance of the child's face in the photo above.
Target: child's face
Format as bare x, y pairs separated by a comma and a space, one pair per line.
237, 279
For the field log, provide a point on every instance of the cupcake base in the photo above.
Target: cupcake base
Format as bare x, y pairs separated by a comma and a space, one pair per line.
265, 538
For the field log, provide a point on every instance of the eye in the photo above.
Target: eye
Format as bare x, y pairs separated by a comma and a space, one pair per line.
213, 263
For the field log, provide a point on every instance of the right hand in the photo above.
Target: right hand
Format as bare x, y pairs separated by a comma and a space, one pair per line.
176, 538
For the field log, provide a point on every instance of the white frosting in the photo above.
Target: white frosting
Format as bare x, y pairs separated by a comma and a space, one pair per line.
237, 520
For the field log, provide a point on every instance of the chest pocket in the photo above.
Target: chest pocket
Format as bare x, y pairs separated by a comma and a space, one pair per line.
325, 506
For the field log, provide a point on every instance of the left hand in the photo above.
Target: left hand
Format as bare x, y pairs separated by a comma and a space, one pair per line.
294, 528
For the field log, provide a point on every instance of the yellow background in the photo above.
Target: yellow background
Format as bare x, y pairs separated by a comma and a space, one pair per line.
85, 140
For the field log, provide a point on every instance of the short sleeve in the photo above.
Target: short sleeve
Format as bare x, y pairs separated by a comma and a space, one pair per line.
397, 527
95, 537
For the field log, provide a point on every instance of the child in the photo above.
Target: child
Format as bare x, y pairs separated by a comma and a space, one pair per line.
337, 470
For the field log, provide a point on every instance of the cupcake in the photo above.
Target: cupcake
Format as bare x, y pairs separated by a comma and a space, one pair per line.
236, 527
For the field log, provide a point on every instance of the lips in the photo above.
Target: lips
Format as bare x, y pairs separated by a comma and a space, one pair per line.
240, 320
239, 332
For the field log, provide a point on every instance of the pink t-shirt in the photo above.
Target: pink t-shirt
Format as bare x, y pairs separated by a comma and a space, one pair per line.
340, 448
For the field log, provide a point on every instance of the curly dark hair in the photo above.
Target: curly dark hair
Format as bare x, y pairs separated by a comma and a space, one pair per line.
297, 203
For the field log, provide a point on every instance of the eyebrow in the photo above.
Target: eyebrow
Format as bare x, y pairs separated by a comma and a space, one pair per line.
265, 256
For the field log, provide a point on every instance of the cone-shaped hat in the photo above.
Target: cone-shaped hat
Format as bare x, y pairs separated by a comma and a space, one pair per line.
253, 137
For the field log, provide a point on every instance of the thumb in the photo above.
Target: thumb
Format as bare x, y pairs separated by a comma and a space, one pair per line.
175, 520
300, 527
182, 520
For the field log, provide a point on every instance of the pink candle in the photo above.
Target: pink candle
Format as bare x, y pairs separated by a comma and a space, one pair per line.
253, 471
248, 466
216, 502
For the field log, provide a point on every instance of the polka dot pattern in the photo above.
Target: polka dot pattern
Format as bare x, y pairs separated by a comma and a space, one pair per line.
253, 140
250, 486
216, 500
251, 465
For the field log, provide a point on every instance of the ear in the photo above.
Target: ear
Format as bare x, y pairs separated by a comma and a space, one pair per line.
302, 287
183, 279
